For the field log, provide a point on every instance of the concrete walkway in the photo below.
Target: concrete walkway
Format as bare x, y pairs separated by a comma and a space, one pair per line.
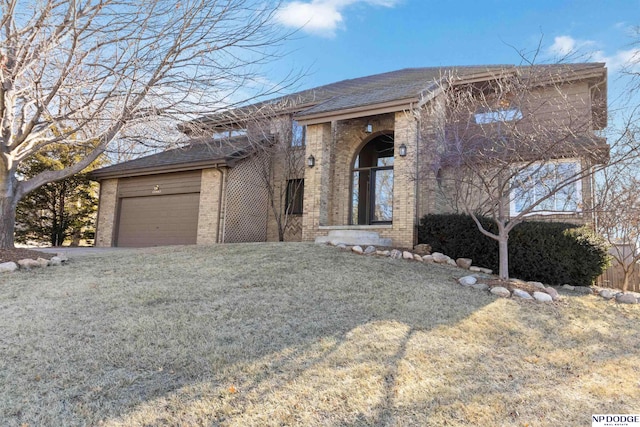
80, 250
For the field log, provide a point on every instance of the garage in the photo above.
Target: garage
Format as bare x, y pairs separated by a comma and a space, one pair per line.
158, 210
157, 221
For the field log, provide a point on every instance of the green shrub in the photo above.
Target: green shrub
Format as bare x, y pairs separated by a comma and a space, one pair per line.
548, 252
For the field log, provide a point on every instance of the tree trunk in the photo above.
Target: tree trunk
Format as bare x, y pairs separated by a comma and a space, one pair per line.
7, 222
627, 275
503, 250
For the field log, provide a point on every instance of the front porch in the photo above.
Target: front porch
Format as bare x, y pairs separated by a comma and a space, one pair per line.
355, 235
362, 188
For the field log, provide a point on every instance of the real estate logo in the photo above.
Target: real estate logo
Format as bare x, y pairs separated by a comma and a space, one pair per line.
615, 420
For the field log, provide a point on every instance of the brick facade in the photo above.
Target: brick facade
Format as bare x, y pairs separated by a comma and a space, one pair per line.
107, 213
328, 186
209, 214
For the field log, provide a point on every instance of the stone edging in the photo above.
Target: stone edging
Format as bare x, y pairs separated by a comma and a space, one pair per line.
28, 263
544, 293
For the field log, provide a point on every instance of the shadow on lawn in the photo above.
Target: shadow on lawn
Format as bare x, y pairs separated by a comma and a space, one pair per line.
256, 335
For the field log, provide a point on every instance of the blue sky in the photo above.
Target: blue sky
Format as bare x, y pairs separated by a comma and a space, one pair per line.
343, 39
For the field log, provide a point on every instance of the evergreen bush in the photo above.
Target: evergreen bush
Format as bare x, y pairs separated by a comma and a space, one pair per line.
549, 252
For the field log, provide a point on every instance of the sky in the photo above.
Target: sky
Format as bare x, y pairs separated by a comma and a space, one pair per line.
342, 39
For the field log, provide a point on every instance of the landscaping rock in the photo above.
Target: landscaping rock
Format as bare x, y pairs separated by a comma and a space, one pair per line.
28, 263
357, 249
607, 294
464, 263
55, 261
537, 285
382, 253
422, 249
568, 287
43, 262
467, 280
552, 291
342, 246
395, 254
451, 263
626, 299
8, 267
542, 297
480, 269
501, 292
407, 255
586, 290
480, 286
370, 250
417, 257
440, 258
63, 257
521, 294
428, 259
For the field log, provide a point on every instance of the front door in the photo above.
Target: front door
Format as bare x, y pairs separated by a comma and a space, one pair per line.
372, 183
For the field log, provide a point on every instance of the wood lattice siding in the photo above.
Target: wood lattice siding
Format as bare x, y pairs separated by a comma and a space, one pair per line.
247, 203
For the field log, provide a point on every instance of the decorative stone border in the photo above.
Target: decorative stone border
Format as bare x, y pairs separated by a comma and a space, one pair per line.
542, 292
28, 263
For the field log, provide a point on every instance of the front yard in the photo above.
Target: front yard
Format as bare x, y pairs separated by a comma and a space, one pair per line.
299, 334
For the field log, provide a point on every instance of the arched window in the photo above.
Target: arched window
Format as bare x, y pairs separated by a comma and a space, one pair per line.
372, 182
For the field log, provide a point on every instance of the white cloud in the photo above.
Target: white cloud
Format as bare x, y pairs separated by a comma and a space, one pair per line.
563, 46
321, 17
568, 48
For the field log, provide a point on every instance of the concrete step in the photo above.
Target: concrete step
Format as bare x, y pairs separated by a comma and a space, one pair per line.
354, 237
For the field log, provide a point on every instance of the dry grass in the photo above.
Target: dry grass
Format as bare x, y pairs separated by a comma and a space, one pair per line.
297, 334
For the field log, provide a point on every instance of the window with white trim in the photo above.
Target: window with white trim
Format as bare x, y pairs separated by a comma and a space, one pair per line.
540, 180
498, 115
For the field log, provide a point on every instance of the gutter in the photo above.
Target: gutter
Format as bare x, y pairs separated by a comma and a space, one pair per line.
154, 170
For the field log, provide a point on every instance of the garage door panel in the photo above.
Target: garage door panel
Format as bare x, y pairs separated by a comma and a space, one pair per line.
158, 220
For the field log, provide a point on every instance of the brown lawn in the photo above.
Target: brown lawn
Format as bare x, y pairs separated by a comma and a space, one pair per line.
298, 334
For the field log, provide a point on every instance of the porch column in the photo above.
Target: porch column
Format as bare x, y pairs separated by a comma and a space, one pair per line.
317, 180
404, 180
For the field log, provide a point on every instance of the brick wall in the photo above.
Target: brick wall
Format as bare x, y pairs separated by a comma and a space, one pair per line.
210, 205
327, 199
107, 212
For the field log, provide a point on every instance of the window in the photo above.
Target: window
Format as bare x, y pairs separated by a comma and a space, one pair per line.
297, 134
538, 181
295, 196
498, 115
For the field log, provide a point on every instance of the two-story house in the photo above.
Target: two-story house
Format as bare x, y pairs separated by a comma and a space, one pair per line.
359, 160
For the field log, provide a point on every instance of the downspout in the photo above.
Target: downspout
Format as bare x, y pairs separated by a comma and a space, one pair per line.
225, 177
220, 194
417, 183
95, 237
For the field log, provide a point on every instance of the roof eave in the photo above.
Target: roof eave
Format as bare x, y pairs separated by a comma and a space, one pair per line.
154, 170
355, 112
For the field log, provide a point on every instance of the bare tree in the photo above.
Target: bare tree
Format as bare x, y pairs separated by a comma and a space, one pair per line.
517, 145
102, 69
619, 220
274, 143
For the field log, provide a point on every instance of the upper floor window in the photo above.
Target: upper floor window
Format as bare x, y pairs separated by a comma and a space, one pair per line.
508, 114
497, 108
297, 134
229, 133
557, 181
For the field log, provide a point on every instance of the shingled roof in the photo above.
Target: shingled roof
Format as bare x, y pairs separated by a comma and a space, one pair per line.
196, 154
391, 88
